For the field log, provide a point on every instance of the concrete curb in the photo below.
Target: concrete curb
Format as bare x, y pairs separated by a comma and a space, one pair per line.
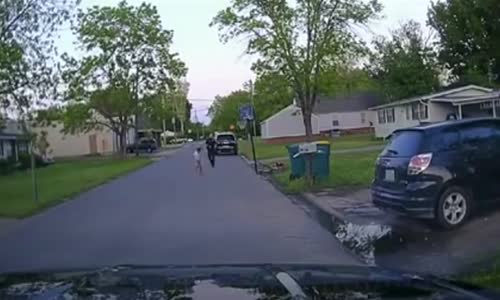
309, 197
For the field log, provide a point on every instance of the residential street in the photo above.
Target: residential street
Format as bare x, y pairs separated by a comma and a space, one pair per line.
166, 214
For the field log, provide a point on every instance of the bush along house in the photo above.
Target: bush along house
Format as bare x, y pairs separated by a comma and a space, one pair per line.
469, 101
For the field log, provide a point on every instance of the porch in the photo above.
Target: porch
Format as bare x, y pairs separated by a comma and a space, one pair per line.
487, 105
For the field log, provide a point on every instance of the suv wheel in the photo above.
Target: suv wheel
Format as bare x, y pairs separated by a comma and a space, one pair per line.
453, 207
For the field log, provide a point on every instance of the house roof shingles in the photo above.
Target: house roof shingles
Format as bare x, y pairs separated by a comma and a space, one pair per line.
349, 103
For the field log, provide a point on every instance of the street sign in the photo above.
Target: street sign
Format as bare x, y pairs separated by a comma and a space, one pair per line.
246, 112
242, 124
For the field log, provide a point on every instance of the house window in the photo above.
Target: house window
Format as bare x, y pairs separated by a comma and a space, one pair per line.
22, 147
381, 116
419, 111
386, 116
335, 122
363, 118
390, 115
408, 112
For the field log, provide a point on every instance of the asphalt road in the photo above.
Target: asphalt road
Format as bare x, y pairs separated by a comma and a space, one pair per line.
166, 214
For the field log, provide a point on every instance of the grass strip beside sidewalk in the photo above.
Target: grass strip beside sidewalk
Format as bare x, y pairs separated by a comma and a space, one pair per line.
268, 151
346, 170
59, 182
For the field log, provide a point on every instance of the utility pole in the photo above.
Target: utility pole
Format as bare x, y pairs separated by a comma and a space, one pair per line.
253, 105
197, 127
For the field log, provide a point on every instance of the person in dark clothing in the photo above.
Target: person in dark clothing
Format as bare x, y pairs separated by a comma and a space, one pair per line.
211, 144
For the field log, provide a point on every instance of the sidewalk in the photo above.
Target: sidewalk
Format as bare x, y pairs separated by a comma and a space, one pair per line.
347, 204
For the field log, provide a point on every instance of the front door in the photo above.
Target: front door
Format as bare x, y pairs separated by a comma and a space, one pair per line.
93, 144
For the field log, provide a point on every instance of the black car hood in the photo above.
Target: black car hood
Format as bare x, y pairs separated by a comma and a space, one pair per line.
233, 282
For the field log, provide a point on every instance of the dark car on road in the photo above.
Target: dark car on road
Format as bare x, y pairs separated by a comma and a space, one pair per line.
440, 171
144, 144
226, 143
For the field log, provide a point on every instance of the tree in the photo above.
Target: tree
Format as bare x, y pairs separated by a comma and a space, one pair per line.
110, 108
169, 105
272, 93
404, 65
127, 59
469, 38
299, 40
27, 66
224, 111
347, 80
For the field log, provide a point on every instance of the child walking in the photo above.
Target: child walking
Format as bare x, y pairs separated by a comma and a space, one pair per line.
197, 160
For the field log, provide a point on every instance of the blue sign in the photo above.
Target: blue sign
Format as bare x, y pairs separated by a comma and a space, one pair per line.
246, 112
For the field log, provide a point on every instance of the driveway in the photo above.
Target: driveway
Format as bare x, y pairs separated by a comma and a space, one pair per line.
166, 214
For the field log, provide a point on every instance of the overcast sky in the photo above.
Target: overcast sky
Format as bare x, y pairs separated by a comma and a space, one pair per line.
217, 69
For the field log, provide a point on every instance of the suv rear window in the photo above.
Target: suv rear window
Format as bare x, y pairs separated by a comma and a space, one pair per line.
225, 137
404, 143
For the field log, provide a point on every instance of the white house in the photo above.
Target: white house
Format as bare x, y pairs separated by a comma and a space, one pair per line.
330, 114
463, 102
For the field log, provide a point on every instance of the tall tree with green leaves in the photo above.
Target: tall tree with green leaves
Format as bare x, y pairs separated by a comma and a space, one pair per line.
110, 108
224, 111
272, 93
298, 39
127, 55
469, 38
28, 74
405, 65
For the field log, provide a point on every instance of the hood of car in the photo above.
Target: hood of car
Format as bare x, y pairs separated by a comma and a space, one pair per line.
229, 282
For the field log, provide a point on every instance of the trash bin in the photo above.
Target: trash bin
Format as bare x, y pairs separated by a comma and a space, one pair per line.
297, 162
321, 161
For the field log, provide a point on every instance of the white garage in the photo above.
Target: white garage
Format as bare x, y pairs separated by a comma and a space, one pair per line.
287, 123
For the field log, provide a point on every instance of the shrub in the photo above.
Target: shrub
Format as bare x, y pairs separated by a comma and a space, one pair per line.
24, 161
7, 166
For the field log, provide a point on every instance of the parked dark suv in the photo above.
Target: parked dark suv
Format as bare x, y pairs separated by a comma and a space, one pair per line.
226, 143
144, 144
440, 171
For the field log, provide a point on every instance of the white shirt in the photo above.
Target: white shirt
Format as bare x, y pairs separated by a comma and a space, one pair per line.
196, 155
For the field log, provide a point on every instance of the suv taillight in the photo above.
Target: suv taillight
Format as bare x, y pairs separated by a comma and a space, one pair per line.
419, 163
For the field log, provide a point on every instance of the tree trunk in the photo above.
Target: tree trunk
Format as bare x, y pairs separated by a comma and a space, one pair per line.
307, 118
123, 142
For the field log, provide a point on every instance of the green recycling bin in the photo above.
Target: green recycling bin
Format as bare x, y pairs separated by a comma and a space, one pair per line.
297, 162
321, 161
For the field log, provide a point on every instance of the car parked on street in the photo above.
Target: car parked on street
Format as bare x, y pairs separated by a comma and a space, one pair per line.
226, 143
440, 171
144, 144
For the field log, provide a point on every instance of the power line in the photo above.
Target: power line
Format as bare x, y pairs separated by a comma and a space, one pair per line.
200, 100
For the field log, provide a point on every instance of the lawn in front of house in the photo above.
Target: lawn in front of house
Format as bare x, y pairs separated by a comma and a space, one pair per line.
346, 170
58, 182
267, 151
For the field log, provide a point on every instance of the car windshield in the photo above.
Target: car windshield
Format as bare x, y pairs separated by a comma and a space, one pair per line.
345, 133
225, 137
404, 143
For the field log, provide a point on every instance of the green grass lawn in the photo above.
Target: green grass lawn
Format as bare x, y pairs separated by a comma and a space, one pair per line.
58, 182
346, 170
266, 151
488, 277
